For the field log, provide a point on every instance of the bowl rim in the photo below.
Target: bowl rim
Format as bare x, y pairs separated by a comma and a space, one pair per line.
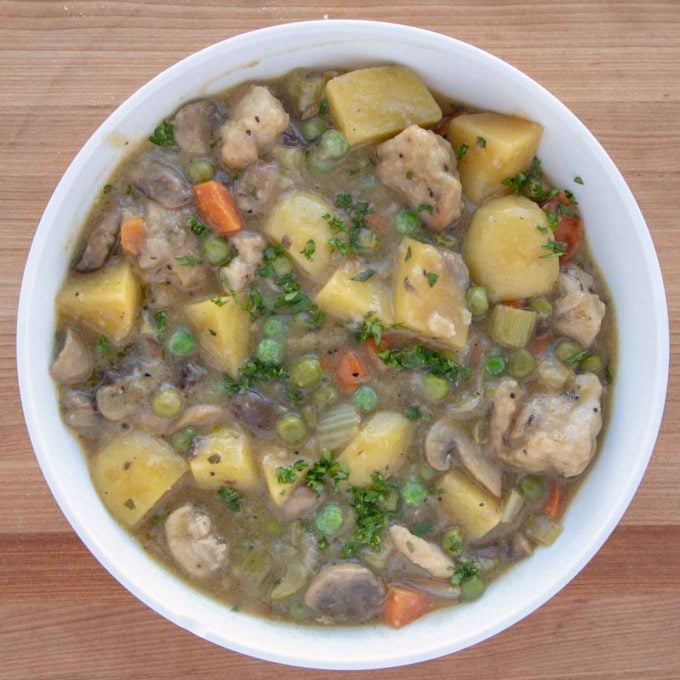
435, 648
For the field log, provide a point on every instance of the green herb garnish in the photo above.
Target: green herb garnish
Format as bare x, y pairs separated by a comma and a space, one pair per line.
186, 260
230, 497
196, 226
309, 249
364, 275
164, 134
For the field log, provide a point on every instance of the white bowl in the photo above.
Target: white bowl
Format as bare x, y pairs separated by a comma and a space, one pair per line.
621, 246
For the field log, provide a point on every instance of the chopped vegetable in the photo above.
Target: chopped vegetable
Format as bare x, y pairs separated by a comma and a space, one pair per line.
553, 502
413, 493
269, 351
407, 222
351, 370
164, 134
291, 429
365, 399
166, 403
543, 530
306, 372
200, 170
182, 342
404, 606
532, 487
511, 327
495, 364
182, 439
338, 427
217, 251
521, 364
453, 540
329, 520
416, 357
435, 388
132, 235
216, 207
478, 300
569, 351
230, 497
471, 588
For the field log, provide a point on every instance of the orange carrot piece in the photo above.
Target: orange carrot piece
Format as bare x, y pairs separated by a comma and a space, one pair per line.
132, 235
373, 350
540, 342
216, 206
376, 222
403, 606
351, 370
554, 502
515, 304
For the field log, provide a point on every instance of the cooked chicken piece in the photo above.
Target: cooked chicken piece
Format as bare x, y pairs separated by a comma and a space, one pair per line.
79, 412
259, 186
193, 127
551, 433
421, 166
100, 241
74, 363
193, 543
422, 553
255, 123
345, 591
160, 182
166, 239
506, 398
199, 414
578, 310
240, 271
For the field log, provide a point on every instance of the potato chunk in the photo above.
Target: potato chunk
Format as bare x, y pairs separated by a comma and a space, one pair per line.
350, 300
274, 456
133, 472
468, 504
374, 103
504, 249
223, 329
106, 300
296, 219
429, 293
224, 457
380, 446
509, 145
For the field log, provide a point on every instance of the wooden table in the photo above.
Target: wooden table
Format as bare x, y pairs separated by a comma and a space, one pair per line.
64, 66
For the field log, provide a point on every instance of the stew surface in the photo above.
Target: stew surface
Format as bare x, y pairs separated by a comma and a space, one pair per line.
335, 348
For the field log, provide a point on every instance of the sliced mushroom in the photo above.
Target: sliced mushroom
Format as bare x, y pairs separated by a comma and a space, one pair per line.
192, 542
74, 363
254, 411
471, 405
446, 439
79, 412
345, 591
421, 552
100, 241
193, 127
200, 414
295, 575
437, 589
301, 501
113, 402
160, 182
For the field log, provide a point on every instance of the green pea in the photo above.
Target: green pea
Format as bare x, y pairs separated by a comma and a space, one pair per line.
566, 349
591, 363
333, 144
471, 588
306, 372
282, 265
453, 540
166, 403
217, 251
329, 520
413, 493
269, 351
182, 439
435, 388
478, 300
274, 327
521, 364
325, 396
317, 160
291, 429
407, 222
532, 487
541, 306
182, 342
200, 170
368, 239
365, 398
312, 128
495, 364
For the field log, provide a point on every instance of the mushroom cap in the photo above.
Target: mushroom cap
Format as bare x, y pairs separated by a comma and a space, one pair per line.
74, 363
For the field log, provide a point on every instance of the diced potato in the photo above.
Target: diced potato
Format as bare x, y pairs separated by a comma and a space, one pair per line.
380, 446
106, 300
224, 457
133, 472
427, 297
509, 146
504, 249
468, 504
297, 218
274, 456
223, 329
374, 103
348, 300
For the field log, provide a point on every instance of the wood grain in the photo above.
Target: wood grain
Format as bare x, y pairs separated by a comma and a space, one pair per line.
64, 66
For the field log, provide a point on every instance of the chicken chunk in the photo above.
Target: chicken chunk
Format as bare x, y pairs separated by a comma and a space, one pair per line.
254, 126
259, 186
506, 398
100, 241
421, 166
193, 127
160, 182
578, 310
422, 553
193, 543
551, 433
236, 275
166, 239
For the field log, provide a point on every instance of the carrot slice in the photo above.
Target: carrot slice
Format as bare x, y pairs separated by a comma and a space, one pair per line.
541, 342
216, 206
403, 606
351, 370
515, 304
569, 227
553, 503
132, 235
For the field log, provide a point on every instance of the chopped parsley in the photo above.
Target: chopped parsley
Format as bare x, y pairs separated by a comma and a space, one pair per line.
363, 275
186, 260
219, 301
464, 569
103, 345
107, 188
289, 474
413, 412
556, 248
446, 241
230, 497
326, 466
608, 375
348, 231
431, 277
161, 318
214, 458
323, 108
309, 249
461, 151
164, 134
578, 179
564, 209
576, 358
481, 143
253, 371
196, 226
372, 329
409, 254
530, 183
421, 529
409, 174
253, 191
130, 504
419, 357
